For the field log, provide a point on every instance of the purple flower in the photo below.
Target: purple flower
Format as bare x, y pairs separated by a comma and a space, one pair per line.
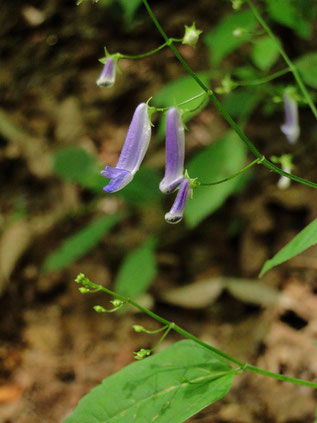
108, 74
175, 141
133, 151
291, 126
175, 215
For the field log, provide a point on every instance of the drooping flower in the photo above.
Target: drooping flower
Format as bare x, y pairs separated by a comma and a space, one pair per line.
175, 215
108, 74
291, 126
175, 146
287, 165
133, 151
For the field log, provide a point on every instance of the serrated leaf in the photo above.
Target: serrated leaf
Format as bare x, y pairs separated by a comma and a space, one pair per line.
264, 53
307, 65
137, 270
76, 246
176, 92
305, 239
168, 387
286, 13
221, 40
222, 159
252, 291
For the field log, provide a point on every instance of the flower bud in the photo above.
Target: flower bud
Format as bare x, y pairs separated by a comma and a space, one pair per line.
191, 35
108, 74
175, 215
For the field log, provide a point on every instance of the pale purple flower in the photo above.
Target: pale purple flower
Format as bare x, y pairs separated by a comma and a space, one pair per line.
175, 145
291, 126
108, 74
133, 151
175, 215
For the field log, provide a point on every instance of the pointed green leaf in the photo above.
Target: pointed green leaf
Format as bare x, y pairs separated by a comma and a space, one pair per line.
168, 387
307, 65
264, 53
76, 246
305, 239
137, 270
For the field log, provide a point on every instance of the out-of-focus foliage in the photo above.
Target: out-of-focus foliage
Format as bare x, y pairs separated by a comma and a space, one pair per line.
137, 270
222, 40
169, 387
264, 53
288, 13
220, 160
76, 246
307, 66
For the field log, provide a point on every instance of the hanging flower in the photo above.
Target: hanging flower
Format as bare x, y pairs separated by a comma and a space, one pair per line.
133, 151
108, 74
175, 146
291, 126
175, 215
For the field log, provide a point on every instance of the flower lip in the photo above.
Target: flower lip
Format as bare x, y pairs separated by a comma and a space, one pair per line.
108, 74
175, 146
133, 151
175, 215
291, 127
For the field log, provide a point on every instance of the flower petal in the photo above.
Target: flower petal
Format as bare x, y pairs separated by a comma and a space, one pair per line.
291, 127
175, 215
108, 74
175, 146
119, 178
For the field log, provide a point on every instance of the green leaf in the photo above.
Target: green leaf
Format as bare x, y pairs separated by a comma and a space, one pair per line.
137, 270
240, 103
221, 40
129, 8
307, 65
143, 189
168, 387
222, 159
177, 91
76, 165
286, 13
264, 53
305, 239
76, 246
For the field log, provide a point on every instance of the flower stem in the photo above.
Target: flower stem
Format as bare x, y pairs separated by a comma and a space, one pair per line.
264, 79
222, 110
256, 161
149, 53
172, 326
291, 65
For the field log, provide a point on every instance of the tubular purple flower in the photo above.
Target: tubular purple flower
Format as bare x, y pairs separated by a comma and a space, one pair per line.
108, 74
175, 145
133, 151
175, 215
291, 126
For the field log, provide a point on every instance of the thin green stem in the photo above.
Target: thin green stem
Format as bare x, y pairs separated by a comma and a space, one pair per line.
264, 79
289, 62
149, 53
221, 109
171, 325
205, 184
163, 109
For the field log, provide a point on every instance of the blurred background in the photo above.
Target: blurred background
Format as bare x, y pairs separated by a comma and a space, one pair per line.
58, 129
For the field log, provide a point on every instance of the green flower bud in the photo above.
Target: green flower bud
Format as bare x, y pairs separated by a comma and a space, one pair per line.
191, 35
